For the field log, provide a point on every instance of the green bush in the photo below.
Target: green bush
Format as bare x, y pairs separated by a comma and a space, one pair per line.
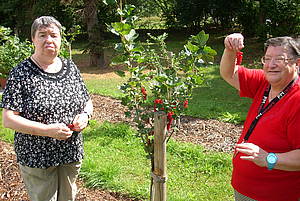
12, 50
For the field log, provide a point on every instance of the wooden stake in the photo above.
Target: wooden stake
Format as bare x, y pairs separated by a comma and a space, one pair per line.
159, 173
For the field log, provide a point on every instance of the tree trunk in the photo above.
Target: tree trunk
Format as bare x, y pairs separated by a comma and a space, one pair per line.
94, 34
261, 17
25, 18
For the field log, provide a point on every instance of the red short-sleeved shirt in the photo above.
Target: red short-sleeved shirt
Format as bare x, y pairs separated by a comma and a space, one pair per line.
277, 131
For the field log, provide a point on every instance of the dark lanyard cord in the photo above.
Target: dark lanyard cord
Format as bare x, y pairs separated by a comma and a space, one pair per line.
262, 110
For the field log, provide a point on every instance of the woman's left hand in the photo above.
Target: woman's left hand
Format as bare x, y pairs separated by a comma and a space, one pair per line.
253, 153
80, 122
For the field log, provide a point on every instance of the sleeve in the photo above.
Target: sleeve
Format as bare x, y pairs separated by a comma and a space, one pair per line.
12, 98
250, 81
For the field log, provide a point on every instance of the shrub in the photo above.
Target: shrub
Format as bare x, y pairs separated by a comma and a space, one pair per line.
12, 50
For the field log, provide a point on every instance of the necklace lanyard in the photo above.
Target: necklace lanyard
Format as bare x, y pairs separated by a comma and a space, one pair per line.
262, 110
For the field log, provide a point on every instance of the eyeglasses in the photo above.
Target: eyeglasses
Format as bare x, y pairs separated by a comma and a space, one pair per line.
277, 60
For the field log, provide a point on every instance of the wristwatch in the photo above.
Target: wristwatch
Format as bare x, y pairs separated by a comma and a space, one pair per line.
271, 160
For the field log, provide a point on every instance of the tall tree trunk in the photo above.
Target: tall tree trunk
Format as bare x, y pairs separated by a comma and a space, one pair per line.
25, 18
94, 34
261, 14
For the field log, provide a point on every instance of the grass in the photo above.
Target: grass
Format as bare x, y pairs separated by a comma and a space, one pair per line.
217, 100
106, 87
6, 134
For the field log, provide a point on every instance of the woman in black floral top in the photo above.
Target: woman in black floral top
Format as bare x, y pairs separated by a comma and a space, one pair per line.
47, 104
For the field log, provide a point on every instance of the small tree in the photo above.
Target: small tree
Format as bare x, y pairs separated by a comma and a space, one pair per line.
167, 77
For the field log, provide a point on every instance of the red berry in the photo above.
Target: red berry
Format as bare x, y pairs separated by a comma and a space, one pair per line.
185, 103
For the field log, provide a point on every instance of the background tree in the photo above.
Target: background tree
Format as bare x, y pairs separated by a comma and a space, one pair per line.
20, 22
266, 18
94, 33
16, 20
283, 17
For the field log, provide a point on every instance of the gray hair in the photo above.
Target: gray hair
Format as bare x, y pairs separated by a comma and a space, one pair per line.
44, 21
290, 44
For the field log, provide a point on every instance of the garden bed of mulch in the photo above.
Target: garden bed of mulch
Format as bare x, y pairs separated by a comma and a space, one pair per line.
212, 134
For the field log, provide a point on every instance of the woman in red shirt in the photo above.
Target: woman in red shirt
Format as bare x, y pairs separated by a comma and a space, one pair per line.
266, 162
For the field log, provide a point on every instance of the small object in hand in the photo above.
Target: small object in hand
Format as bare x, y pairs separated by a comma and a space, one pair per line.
239, 58
71, 126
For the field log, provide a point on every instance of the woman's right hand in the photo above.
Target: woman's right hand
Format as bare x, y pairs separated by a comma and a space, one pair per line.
59, 131
234, 42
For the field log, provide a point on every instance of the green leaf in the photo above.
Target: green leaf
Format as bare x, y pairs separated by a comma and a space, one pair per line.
120, 73
130, 20
208, 58
210, 51
192, 48
125, 100
128, 9
140, 59
121, 28
136, 48
109, 2
159, 38
198, 79
161, 78
120, 59
200, 39
128, 114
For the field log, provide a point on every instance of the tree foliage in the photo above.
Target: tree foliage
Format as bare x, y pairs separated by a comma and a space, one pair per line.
283, 16
13, 50
20, 21
253, 17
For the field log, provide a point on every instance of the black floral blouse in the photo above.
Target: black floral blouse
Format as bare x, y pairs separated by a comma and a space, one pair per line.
46, 98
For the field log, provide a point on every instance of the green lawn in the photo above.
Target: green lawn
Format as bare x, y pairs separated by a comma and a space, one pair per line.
5, 133
218, 100
107, 87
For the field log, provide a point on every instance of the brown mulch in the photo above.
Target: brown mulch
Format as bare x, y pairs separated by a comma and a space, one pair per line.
212, 134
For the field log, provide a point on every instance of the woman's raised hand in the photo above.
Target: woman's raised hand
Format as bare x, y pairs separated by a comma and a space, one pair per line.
234, 42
